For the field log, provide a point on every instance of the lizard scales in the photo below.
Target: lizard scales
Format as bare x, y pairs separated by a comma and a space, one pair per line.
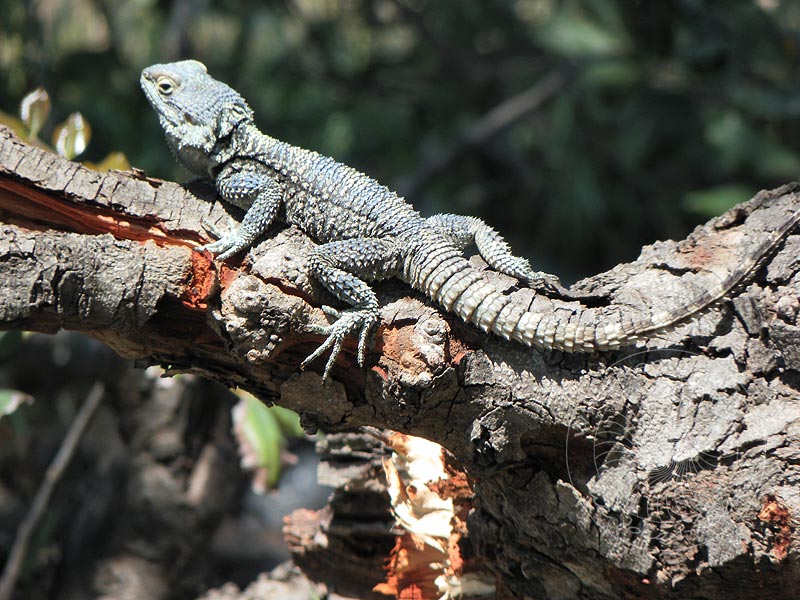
367, 232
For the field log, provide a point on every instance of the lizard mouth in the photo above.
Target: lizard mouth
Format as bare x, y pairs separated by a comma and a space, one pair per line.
147, 87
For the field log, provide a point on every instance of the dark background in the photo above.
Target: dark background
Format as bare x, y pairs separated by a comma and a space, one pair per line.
669, 111
631, 121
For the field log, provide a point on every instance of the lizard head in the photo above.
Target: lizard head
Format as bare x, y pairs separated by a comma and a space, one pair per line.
196, 111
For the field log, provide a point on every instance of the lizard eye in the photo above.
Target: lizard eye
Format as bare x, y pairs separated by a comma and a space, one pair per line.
165, 85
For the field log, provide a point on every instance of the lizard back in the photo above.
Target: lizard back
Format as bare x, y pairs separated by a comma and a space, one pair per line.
368, 232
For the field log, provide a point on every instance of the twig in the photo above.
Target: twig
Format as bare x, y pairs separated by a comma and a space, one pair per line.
489, 125
51, 477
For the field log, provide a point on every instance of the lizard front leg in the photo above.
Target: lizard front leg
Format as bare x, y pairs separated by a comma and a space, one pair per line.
240, 184
463, 231
342, 267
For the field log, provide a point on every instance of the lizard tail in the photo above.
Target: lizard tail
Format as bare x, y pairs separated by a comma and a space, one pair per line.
452, 281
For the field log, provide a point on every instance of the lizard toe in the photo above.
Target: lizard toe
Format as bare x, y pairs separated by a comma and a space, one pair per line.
348, 321
226, 247
212, 229
545, 282
331, 312
363, 338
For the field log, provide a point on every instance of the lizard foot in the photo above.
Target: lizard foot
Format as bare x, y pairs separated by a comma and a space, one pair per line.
346, 322
228, 245
546, 282
538, 280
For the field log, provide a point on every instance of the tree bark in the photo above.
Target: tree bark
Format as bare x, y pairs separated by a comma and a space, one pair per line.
667, 470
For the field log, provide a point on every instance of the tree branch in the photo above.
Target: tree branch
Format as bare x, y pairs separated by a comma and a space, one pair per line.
653, 472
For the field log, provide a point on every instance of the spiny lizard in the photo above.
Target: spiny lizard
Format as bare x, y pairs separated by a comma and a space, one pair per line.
367, 232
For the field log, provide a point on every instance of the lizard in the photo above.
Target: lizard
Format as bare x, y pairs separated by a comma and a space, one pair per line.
366, 232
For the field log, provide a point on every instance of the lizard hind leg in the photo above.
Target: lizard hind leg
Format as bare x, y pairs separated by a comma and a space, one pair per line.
463, 231
343, 267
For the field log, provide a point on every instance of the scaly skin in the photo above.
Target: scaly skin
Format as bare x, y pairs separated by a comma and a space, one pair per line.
367, 232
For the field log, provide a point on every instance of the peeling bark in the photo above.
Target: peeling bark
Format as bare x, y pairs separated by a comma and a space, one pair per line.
668, 470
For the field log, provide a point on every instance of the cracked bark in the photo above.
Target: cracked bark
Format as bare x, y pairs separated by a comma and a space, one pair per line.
668, 470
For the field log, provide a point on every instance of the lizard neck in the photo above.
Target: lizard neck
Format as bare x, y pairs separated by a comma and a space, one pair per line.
246, 140
192, 146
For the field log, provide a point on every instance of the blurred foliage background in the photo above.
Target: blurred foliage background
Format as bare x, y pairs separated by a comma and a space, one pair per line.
582, 129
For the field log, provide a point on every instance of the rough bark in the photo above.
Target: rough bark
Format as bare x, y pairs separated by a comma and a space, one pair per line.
668, 470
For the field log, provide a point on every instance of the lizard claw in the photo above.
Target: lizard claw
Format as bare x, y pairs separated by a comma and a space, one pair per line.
539, 280
228, 245
223, 248
546, 282
331, 312
347, 322
212, 229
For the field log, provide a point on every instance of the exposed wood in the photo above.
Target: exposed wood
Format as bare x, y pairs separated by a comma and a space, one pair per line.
665, 471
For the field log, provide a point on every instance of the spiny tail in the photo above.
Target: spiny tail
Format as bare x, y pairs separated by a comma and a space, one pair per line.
450, 280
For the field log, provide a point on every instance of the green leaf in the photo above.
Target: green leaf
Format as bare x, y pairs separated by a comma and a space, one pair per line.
71, 137
261, 440
714, 201
738, 143
288, 420
730, 136
574, 33
11, 400
612, 73
776, 160
34, 109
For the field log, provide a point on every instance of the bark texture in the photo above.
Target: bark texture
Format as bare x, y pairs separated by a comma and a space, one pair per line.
668, 470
